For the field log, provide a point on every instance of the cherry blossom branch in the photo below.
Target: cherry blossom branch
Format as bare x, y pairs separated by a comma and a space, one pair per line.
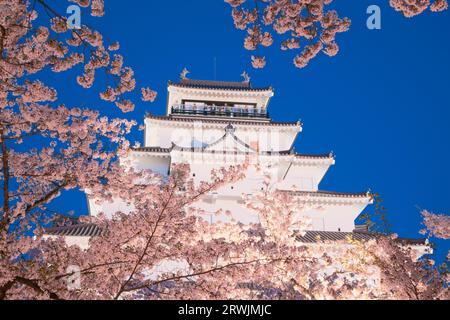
56, 14
2, 37
88, 269
29, 283
304, 21
19, 137
144, 252
185, 276
5, 169
48, 196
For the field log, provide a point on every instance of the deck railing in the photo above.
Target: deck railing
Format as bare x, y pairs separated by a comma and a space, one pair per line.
221, 111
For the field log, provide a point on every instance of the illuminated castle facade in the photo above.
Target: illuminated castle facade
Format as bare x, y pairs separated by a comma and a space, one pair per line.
213, 124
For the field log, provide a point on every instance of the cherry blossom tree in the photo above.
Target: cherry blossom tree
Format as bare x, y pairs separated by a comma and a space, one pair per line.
382, 268
306, 26
297, 21
402, 274
218, 261
48, 148
223, 260
437, 225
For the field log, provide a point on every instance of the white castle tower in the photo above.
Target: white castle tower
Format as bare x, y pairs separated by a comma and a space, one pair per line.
213, 124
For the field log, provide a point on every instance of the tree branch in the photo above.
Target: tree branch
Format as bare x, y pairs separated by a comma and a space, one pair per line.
5, 168
29, 283
230, 265
138, 262
48, 196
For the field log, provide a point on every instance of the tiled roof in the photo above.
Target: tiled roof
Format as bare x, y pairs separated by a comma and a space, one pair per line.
80, 230
223, 85
329, 155
262, 153
91, 230
317, 236
361, 228
332, 194
224, 121
152, 149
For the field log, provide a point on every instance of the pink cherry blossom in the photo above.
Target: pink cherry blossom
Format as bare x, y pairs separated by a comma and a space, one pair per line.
98, 8
258, 62
148, 94
438, 225
311, 20
411, 8
299, 20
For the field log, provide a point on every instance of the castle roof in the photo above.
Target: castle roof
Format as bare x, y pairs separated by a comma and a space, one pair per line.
330, 194
152, 149
229, 132
221, 85
224, 121
264, 153
92, 230
319, 236
330, 197
78, 230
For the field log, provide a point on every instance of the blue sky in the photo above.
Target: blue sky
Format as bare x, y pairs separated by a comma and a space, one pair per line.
382, 104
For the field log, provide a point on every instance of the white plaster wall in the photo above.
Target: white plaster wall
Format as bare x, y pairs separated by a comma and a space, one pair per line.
147, 161
82, 242
163, 133
334, 217
323, 217
167, 267
233, 207
201, 168
303, 177
177, 94
109, 208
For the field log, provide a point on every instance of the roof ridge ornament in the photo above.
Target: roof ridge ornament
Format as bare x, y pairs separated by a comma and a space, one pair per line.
229, 128
183, 74
246, 77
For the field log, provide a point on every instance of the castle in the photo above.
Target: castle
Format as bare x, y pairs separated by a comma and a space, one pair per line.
214, 124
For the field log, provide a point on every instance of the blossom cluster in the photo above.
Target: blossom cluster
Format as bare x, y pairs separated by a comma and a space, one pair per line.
411, 8
299, 21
